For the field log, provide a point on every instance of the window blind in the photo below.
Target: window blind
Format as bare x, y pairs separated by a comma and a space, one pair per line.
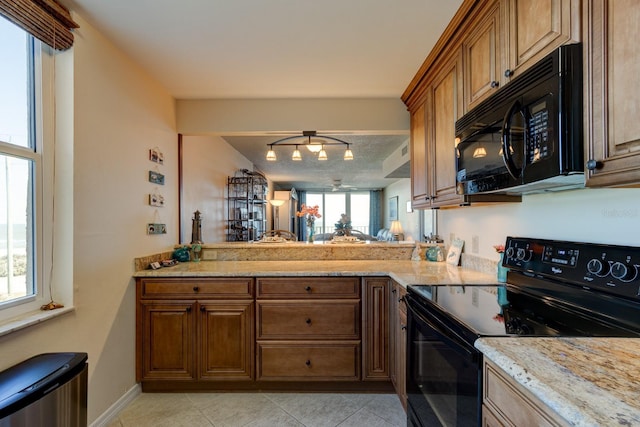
46, 20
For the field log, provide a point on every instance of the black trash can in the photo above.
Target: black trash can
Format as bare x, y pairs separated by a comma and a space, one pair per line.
46, 390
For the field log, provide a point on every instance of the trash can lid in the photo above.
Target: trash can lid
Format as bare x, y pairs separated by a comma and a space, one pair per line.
30, 376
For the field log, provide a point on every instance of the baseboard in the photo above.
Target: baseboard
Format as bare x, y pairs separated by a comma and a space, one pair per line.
111, 414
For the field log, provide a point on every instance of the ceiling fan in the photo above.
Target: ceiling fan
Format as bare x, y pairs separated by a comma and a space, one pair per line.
337, 185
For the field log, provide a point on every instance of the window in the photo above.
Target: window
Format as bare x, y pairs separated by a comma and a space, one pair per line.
20, 171
355, 204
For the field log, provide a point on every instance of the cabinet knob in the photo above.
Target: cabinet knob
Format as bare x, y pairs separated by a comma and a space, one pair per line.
393, 291
308, 321
495, 84
403, 327
308, 363
202, 309
427, 198
188, 310
307, 288
508, 73
593, 164
196, 288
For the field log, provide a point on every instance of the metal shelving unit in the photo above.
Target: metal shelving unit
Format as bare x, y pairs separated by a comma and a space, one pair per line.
246, 206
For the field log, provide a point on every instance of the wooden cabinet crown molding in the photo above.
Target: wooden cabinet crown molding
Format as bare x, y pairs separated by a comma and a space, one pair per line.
414, 93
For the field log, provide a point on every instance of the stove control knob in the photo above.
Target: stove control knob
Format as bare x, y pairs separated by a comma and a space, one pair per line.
623, 272
511, 326
597, 267
524, 330
521, 253
510, 252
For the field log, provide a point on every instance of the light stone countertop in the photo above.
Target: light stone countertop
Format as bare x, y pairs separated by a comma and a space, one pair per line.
586, 381
405, 272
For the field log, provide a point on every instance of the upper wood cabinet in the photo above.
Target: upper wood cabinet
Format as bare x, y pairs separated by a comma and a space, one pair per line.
535, 28
419, 187
506, 37
482, 57
612, 92
433, 175
445, 109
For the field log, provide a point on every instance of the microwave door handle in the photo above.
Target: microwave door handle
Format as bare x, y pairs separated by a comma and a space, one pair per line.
506, 141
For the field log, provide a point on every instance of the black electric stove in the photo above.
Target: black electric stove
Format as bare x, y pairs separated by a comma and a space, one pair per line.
554, 288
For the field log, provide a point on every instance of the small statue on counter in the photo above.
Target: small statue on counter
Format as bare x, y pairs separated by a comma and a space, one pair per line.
343, 227
196, 228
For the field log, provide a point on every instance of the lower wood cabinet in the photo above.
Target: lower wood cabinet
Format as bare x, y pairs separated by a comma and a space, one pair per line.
308, 329
506, 403
398, 343
375, 326
195, 329
290, 333
303, 361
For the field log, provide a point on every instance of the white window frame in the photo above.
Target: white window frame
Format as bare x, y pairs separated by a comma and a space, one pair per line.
25, 311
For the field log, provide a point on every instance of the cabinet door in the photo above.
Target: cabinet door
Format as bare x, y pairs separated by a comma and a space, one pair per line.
393, 336
445, 110
482, 58
167, 340
419, 182
535, 28
226, 340
376, 292
612, 99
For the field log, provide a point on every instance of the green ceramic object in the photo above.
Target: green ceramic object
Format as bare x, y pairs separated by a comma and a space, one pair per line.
434, 253
181, 254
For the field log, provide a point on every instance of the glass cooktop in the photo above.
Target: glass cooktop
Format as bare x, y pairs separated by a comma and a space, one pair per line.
479, 308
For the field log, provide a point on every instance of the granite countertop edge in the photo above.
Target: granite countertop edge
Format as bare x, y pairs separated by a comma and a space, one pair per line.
592, 400
405, 272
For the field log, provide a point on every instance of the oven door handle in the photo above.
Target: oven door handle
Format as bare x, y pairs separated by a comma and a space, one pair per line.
452, 339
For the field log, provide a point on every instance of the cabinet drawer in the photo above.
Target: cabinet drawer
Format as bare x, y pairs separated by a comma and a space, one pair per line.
511, 404
309, 287
309, 320
196, 288
328, 361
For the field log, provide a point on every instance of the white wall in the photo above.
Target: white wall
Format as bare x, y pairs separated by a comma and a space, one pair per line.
586, 215
208, 161
242, 116
117, 113
410, 220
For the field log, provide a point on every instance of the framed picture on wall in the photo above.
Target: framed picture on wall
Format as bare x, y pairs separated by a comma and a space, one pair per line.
393, 208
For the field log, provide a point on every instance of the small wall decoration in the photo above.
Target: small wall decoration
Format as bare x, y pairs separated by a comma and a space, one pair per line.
453, 256
156, 200
156, 228
393, 208
156, 177
156, 156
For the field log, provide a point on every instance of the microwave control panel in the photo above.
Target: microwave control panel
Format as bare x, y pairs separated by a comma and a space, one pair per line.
539, 145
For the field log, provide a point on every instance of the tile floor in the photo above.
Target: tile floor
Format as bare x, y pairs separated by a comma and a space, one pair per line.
262, 409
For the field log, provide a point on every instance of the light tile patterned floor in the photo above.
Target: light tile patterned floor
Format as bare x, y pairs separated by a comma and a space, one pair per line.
262, 409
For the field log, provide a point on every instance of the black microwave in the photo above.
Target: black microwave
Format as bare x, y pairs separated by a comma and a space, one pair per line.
528, 136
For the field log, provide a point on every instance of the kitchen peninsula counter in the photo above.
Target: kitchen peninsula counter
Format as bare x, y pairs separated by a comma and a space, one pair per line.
405, 272
586, 381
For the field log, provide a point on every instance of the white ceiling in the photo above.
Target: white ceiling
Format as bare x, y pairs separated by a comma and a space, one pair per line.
274, 48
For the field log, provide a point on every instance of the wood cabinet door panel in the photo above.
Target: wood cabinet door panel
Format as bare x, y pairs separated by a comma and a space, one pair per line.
168, 330
337, 319
538, 27
226, 340
308, 287
376, 296
508, 403
308, 361
447, 101
611, 113
482, 59
197, 288
420, 196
